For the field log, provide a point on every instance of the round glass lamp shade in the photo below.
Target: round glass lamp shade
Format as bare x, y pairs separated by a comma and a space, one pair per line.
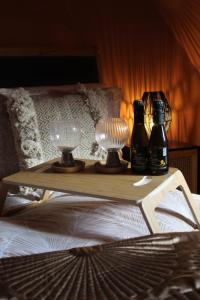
66, 136
112, 134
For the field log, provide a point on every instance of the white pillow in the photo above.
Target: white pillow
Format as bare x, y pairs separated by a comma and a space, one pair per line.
31, 114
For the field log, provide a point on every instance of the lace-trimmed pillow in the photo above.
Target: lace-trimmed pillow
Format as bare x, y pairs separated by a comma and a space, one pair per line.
66, 106
31, 115
27, 140
24, 124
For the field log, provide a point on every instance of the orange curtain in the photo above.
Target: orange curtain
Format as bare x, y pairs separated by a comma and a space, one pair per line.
144, 46
139, 52
183, 17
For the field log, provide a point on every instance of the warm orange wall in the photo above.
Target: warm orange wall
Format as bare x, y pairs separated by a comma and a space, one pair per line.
143, 55
137, 51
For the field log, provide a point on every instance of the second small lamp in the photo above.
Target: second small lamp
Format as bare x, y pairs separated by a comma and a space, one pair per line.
111, 134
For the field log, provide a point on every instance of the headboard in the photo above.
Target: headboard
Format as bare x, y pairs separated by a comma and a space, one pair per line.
18, 71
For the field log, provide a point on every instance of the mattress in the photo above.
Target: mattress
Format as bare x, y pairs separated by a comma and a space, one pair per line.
67, 221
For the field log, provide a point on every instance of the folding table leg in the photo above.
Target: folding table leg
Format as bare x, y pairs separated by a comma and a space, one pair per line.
45, 196
151, 201
195, 210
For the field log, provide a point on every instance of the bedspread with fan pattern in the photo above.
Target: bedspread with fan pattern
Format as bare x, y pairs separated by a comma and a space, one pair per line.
68, 221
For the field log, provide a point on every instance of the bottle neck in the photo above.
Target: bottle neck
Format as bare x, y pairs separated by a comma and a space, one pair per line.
159, 117
138, 108
138, 118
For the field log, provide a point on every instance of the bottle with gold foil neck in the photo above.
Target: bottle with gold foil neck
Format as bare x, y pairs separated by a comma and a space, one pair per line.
139, 140
158, 145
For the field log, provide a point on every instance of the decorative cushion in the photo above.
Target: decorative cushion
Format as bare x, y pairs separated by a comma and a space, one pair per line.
32, 110
86, 106
24, 124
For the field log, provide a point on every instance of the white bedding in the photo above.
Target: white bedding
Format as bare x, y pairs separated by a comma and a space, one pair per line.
67, 221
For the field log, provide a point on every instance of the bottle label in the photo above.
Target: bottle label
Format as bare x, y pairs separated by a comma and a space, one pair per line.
139, 159
165, 151
158, 159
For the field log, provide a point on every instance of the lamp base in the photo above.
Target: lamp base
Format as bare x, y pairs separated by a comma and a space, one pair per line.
105, 169
78, 166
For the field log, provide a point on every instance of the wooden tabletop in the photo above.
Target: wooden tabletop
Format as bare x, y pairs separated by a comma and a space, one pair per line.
88, 182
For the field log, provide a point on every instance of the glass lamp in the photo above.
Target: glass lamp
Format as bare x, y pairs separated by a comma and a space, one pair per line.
66, 136
111, 134
148, 98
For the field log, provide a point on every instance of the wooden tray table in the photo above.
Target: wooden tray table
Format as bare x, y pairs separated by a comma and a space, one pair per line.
146, 192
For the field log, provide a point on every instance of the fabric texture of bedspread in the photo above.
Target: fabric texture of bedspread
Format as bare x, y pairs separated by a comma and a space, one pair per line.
67, 221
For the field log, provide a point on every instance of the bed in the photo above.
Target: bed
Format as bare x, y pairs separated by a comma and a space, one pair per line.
65, 221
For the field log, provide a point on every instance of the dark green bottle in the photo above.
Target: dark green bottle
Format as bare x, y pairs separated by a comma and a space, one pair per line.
139, 140
158, 145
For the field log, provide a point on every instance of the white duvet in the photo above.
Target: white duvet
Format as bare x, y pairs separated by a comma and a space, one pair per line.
68, 221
